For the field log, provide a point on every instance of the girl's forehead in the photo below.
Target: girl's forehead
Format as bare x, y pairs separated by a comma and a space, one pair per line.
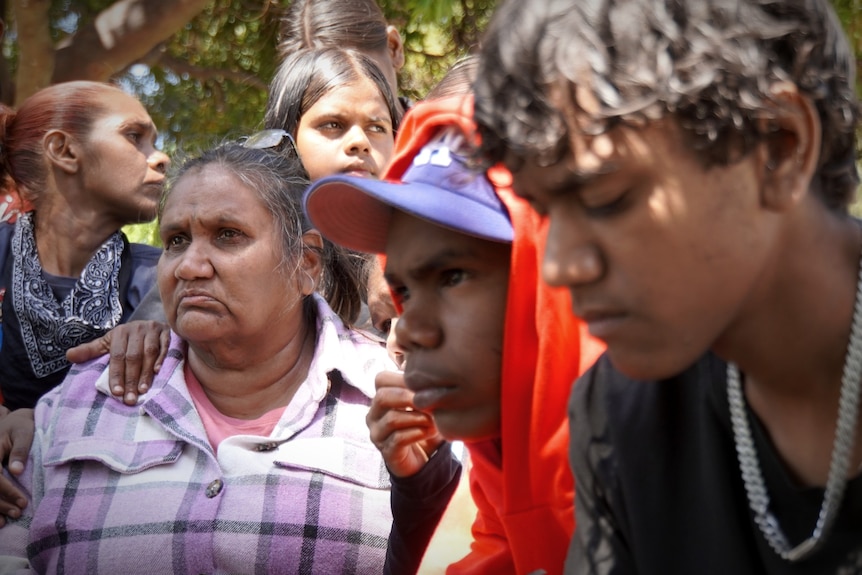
354, 95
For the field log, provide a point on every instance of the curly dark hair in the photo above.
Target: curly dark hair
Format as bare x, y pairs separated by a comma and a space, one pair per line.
707, 63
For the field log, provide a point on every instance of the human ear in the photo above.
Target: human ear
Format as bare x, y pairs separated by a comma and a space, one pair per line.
311, 265
61, 150
791, 148
395, 47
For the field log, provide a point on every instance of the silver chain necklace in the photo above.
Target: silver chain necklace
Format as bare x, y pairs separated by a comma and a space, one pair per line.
758, 498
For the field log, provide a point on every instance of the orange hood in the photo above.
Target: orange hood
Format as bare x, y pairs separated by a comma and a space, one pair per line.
522, 484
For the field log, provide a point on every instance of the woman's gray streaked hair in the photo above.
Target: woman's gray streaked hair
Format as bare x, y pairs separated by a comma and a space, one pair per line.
280, 180
708, 63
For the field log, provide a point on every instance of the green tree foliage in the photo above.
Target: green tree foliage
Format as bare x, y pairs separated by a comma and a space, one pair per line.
208, 80
850, 13
435, 35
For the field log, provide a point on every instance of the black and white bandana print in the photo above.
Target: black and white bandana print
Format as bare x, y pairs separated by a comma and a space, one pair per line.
92, 308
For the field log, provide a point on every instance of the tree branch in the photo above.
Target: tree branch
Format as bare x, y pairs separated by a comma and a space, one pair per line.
36, 50
119, 35
183, 67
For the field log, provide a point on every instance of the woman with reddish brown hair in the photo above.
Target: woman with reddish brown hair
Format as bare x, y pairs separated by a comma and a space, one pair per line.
84, 155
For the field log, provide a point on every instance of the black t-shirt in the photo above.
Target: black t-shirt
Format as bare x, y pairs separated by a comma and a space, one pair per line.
659, 491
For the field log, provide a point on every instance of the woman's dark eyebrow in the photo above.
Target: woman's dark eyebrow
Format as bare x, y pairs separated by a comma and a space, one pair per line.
143, 125
381, 119
139, 124
344, 117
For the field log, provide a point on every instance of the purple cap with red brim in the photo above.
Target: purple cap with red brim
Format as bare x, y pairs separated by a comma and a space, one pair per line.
439, 186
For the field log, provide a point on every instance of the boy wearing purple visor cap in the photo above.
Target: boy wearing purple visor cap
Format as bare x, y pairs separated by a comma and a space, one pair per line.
490, 351
469, 204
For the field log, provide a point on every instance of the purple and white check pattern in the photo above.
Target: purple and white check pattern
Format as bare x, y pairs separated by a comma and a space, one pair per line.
119, 489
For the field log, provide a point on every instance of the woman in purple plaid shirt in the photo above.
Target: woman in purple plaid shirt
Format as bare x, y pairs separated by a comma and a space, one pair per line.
249, 454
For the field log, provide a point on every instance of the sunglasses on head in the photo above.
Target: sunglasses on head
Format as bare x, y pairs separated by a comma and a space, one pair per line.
271, 138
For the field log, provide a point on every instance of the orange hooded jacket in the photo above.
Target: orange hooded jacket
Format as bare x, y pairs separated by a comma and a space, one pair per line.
521, 483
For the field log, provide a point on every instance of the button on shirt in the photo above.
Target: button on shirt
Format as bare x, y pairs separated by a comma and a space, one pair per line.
214, 488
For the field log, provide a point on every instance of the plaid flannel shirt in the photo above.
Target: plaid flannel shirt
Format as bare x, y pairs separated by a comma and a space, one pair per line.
120, 489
